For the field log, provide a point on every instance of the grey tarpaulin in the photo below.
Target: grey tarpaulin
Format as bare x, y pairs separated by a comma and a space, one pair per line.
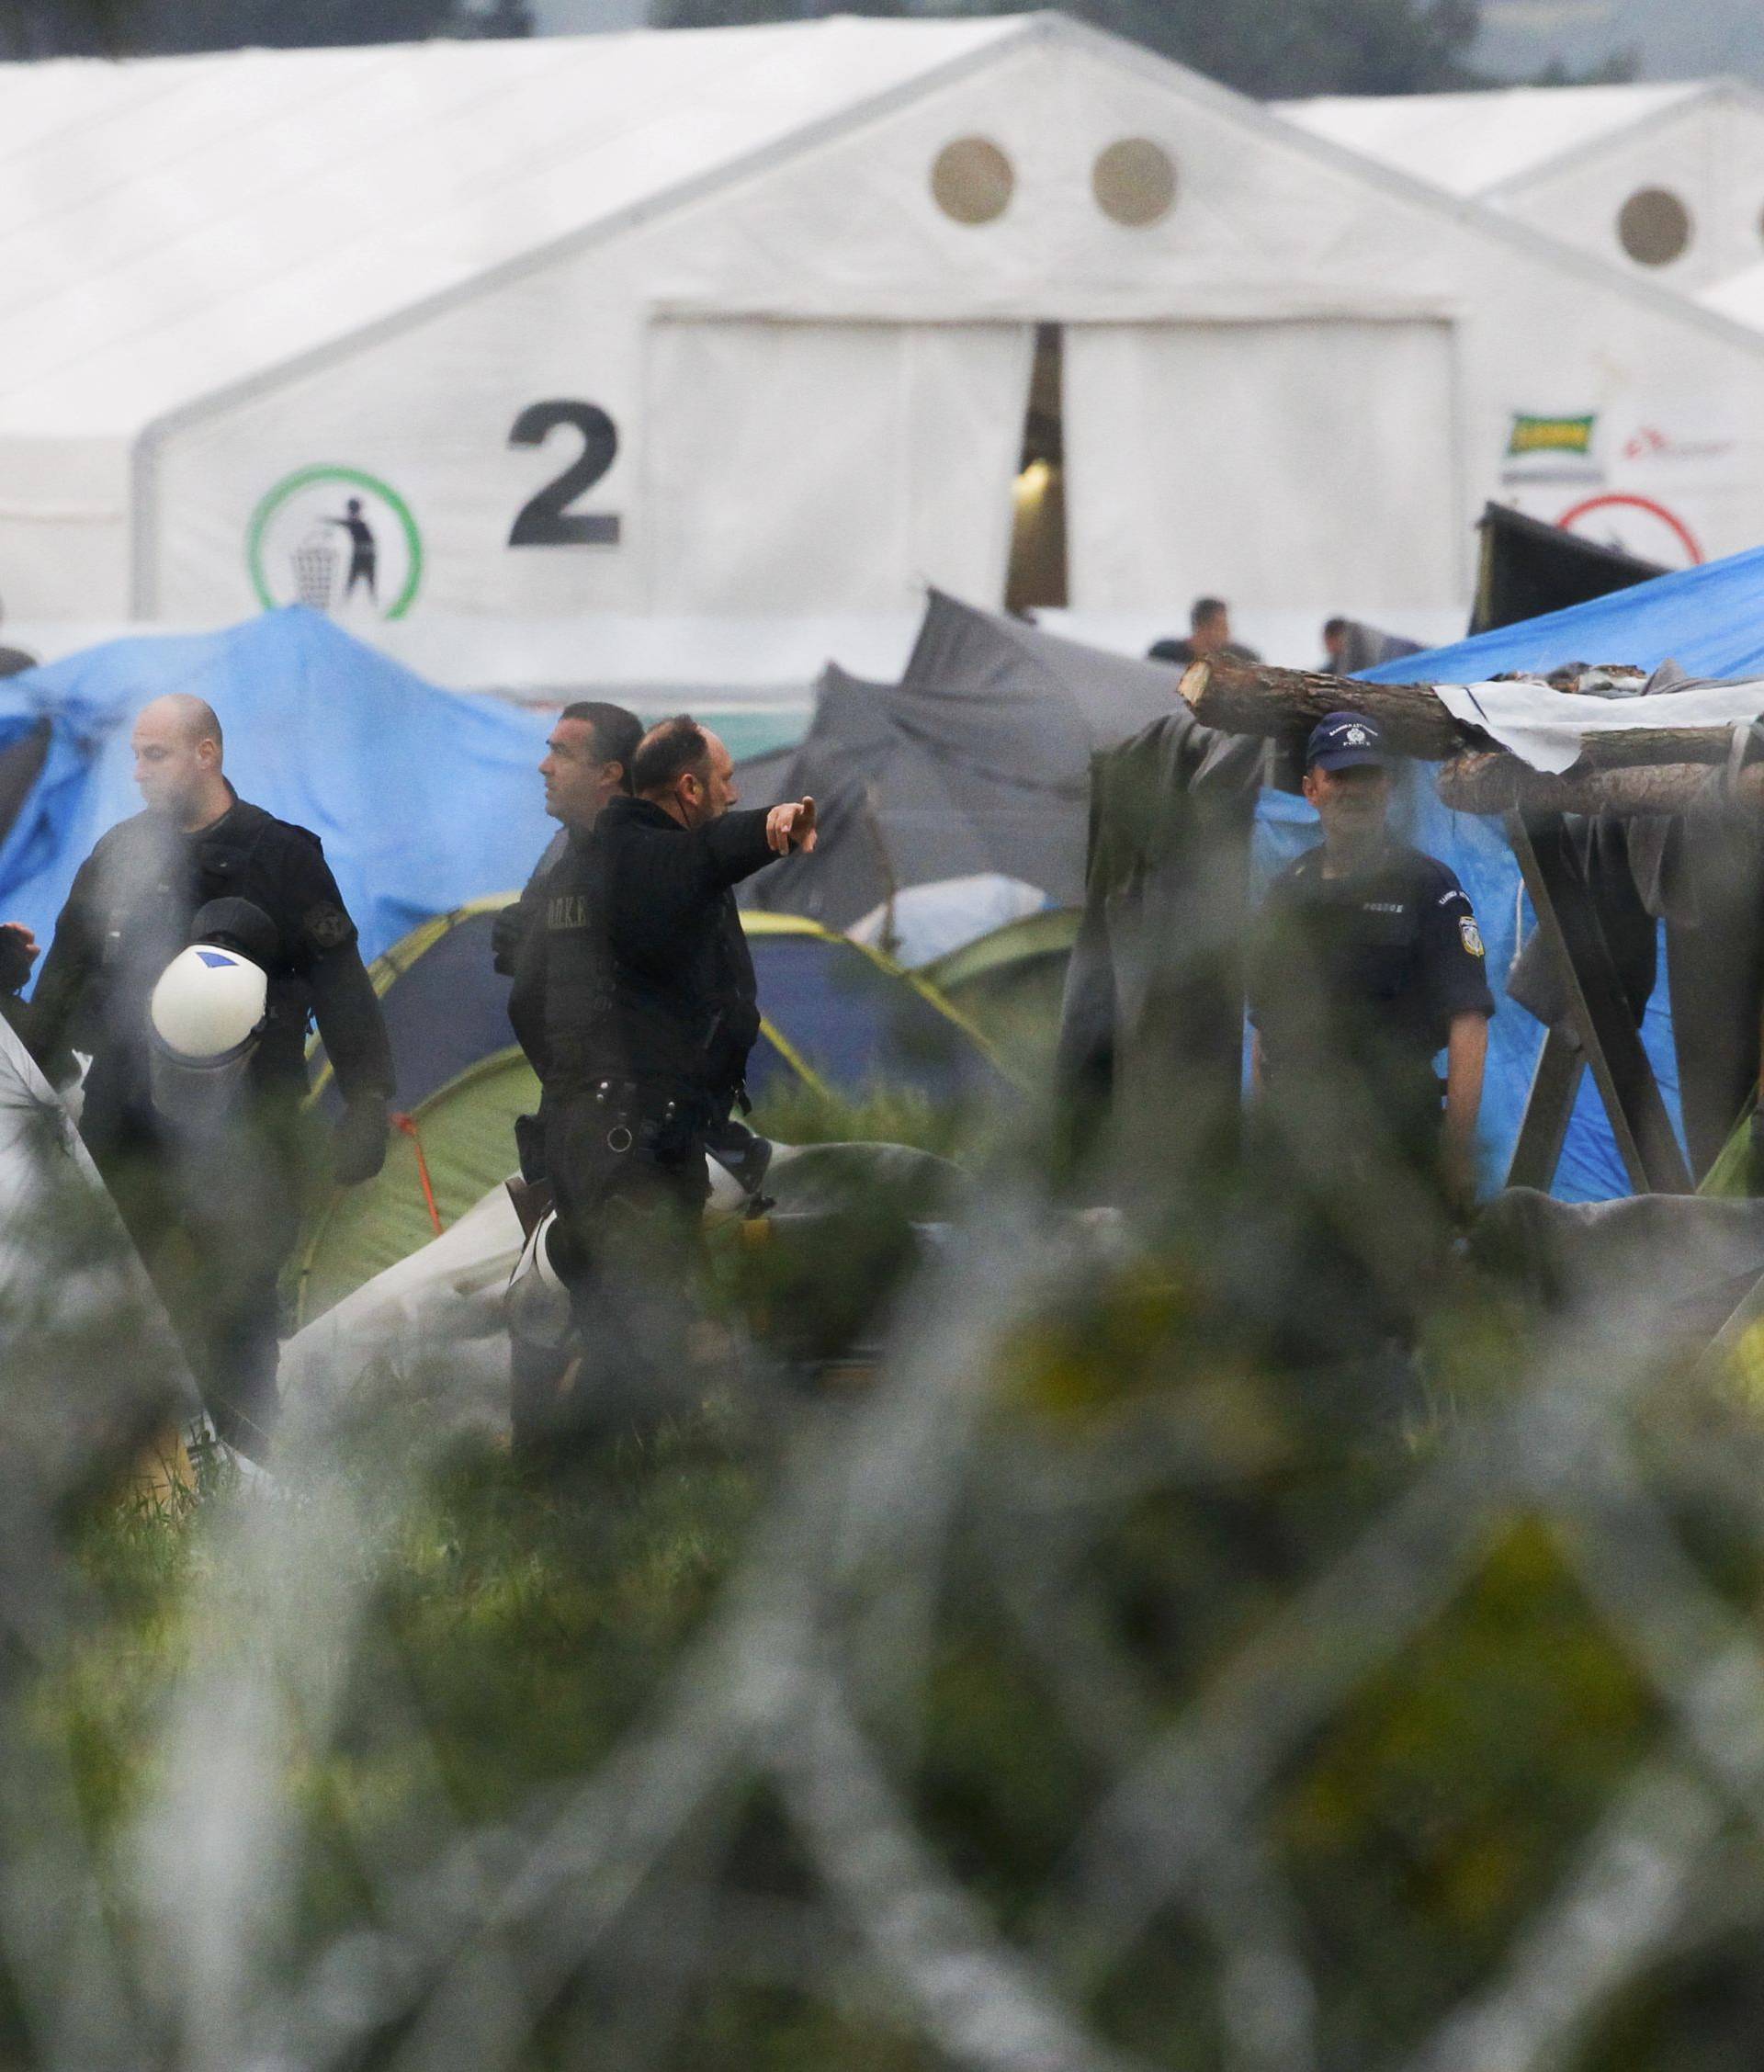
978, 761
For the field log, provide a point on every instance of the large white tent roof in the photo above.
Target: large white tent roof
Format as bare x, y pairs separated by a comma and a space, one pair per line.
1741, 296
170, 226
1471, 144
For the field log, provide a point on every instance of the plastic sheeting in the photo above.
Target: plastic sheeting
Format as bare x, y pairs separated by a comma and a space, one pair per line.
424, 800
1548, 728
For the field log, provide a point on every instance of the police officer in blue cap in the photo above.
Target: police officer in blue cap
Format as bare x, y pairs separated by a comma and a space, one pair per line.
1368, 967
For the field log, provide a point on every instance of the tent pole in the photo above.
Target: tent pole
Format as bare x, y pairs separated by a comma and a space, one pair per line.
1610, 1040
1549, 1108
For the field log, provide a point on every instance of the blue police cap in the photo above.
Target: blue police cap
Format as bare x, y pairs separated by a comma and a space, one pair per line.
1344, 741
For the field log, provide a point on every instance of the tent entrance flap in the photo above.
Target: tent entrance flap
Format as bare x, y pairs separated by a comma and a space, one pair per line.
1185, 444
1037, 577
831, 466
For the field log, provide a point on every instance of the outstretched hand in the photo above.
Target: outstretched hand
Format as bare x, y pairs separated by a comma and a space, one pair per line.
791, 827
18, 954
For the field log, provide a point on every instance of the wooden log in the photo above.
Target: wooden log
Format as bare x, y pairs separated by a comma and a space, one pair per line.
1500, 782
1284, 704
1247, 698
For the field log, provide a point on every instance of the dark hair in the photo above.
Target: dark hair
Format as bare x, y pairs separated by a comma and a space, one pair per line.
672, 748
1204, 610
616, 734
1333, 629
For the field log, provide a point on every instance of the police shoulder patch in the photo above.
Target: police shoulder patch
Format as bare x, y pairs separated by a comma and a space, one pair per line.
327, 925
1471, 933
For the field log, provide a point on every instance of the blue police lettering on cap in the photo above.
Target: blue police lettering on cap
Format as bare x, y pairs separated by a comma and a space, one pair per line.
1344, 740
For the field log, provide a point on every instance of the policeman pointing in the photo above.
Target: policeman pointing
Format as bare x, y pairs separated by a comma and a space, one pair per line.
197, 940
648, 1012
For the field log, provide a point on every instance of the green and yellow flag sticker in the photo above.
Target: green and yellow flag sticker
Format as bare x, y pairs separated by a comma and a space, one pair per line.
1551, 435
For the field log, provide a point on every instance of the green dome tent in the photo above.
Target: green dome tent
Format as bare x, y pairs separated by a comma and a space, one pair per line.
837, 1019
1009, 983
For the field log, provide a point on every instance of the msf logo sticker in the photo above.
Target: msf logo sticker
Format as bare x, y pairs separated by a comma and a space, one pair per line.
336, 540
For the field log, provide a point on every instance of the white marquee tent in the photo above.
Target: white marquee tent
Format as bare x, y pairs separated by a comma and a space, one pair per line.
748, 321
1665, 180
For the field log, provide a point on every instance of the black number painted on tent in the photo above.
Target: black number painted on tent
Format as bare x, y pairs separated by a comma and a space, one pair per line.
546, 520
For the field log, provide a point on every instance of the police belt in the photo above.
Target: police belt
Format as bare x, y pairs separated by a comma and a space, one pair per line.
640, 1117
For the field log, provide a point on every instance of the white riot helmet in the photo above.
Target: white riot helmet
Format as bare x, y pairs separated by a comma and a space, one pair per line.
206, 1019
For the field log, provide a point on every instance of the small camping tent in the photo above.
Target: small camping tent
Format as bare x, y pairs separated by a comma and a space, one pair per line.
1009, 985
836, 1016
978, 761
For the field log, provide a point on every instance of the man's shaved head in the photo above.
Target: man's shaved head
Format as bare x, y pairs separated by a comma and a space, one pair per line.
192, 719
177, 760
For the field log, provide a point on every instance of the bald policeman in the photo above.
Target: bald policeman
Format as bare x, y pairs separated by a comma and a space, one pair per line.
215, 1210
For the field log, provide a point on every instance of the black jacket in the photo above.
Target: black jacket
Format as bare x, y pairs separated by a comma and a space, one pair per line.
642, 971
129, 912
516, 922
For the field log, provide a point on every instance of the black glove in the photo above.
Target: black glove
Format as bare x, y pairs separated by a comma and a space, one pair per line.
16, 959
358, 1141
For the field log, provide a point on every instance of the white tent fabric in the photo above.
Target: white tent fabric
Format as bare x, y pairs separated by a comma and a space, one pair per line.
85, 1347
929, 921
677, 321
185, 222
1566, 158
1473, 143
439, 1318
1175, 433
945, 401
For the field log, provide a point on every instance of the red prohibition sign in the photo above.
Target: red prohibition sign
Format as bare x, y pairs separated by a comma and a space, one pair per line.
1645, 504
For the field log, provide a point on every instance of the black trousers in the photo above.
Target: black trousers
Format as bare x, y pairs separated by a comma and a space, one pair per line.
626, 1168
214, 1219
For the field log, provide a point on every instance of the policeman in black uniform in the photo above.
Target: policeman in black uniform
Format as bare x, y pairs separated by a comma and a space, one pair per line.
1368, 964
642, 1028
588, 759
213, 1212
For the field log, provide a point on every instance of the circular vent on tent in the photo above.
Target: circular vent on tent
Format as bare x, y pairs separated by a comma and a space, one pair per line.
1654, 227
1134, 182
973, 180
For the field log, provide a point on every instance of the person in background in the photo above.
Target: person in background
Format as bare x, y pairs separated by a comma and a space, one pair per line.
1209, 621
1338, 635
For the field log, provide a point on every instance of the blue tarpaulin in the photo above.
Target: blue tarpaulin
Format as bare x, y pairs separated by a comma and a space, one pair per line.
1711, 620
425, 798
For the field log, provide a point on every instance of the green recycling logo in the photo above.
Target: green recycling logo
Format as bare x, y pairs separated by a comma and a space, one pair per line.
335, 539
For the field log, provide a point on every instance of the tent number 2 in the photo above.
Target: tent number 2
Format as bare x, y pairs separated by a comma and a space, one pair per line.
546, 520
